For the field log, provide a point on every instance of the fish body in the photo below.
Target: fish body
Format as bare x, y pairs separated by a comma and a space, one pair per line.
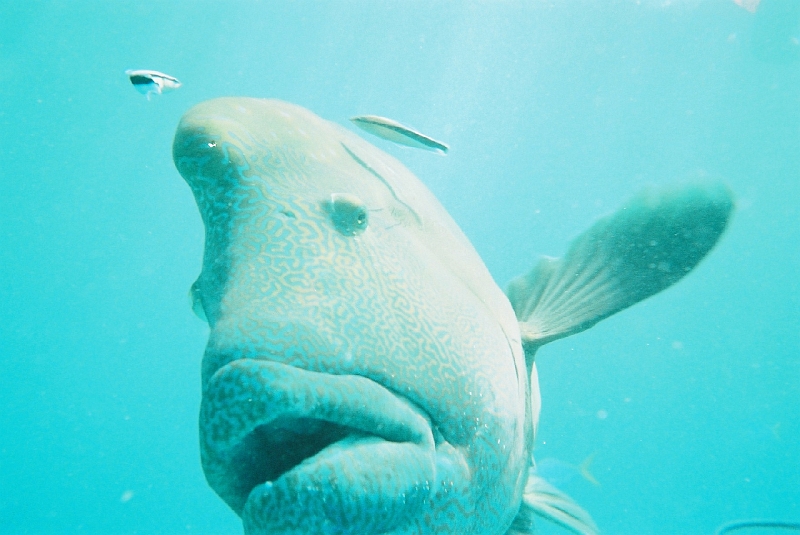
395, 132
149, 82
558, 472
364, 374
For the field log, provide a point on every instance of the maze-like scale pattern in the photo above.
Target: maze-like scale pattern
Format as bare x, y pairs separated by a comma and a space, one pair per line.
407, 304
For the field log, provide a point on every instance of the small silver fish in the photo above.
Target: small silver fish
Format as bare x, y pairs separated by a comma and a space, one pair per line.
149, 82
398, 133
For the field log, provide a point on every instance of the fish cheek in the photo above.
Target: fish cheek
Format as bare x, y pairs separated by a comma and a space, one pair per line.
347, 213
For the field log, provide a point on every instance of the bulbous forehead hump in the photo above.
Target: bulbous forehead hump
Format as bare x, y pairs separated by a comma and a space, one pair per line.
287, 146
255, 123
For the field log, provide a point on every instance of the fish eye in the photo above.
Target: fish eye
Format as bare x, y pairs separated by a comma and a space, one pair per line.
348, 213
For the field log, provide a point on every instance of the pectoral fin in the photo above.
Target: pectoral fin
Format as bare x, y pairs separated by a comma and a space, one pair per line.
540, 498
196, 301
648, 245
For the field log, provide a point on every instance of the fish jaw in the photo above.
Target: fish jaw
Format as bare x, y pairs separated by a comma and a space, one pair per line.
296, 451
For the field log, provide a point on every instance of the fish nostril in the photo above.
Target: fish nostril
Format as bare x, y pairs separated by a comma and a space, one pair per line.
348, 213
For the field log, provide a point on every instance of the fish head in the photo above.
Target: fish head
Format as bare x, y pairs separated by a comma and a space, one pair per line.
364, 373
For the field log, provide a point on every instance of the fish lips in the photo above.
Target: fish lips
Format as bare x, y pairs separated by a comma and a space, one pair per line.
297, 451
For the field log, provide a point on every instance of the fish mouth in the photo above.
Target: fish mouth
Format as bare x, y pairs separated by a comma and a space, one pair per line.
297, 451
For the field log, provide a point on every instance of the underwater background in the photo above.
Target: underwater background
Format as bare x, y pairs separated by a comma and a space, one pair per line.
685, 408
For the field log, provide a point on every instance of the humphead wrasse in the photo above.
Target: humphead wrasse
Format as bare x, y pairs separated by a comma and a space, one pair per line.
364, 374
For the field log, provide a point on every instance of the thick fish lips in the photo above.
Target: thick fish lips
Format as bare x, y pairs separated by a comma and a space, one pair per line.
286, 447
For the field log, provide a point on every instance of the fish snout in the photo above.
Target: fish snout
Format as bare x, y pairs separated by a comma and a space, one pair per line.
296, 451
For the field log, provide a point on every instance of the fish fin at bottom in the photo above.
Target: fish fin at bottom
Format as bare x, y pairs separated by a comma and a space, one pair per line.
540, 498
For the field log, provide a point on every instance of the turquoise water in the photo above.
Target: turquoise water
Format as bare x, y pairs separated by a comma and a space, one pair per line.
555, 112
